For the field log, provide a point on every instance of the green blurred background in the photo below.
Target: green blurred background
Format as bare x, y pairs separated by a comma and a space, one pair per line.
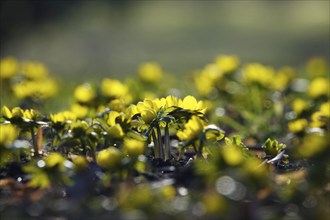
92, 39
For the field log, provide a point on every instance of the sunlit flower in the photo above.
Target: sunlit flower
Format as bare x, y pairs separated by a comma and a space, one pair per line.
42, 89
115, 129
320, 119
192, 129
84, 93
227, 63
232, 155
258, 73
312, 145
109, 158
316, 67
79, 111
8, 67
34, 70
134, 148
299, 105
117, 105
63, 117
297, 126
206, 80
283, 77
79, 162
18, 113
150, 72
8, 133
190, 103
55, 159
113, 88
319, 87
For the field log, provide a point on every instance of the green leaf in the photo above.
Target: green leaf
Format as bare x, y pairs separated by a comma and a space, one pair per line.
136, 135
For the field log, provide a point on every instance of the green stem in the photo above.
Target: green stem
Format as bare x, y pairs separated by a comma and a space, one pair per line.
34, 142
160, 143
167, 143
156, 146
256, 99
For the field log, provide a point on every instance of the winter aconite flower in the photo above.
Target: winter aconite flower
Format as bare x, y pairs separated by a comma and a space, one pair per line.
320, 119
114, 89
115, 129
227, 63
297, 126
8, 133
109, 158
8, 67
283, 78
258, 73
319, 87
150, 72
299, 105
84, 93
34, 70
134, 148
41, 89
192, 129
317, 67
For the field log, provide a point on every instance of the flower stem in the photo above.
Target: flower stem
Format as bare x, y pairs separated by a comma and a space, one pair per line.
167, 143
34, 142
256, 99
156, 146
160, 143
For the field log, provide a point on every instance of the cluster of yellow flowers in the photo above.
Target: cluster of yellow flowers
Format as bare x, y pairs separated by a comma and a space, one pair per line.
27, 79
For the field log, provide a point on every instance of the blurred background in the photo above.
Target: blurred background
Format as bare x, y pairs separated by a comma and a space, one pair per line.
93, 39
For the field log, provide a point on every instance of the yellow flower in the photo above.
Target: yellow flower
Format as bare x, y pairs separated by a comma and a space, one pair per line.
319, 87
282, 79
116, 131
8, 133
325, 109
203, 84
148, 109
17, 112
317, 67
312, 145
150, 72
232, 155
6, 113
190, 103
299, 105
113, 88
79, 162
227, 63
117, 105
257, 73
192, 129
206, 80
55, 159
8, 67
320, 119
79, 110
34, 70
84, 93
41, 89
109, 158
63, 117
134, 148
297, 126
